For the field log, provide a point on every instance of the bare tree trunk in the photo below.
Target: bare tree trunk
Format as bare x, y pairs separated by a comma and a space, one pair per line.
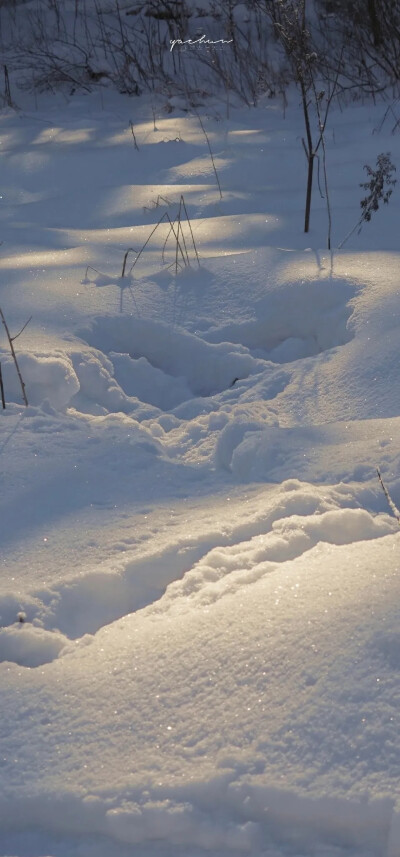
7, 90
309, 192
309, 150
375, 23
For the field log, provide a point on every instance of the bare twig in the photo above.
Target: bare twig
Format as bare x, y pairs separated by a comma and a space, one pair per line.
322, 125
14, 356
156, 204
319, 178
90, 268
211, 154
13, 338
3, 400
178, 221
133, 135
176, 236
164, 217
391, 504
131, 250
349, 234
7, 91
191, 230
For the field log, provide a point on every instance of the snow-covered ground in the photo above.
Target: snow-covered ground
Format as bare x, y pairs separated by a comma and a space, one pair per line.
192, 529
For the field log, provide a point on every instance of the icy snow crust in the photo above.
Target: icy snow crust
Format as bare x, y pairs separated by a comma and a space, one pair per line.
199, 599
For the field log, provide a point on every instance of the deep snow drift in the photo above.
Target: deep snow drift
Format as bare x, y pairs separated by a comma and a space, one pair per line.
199, 642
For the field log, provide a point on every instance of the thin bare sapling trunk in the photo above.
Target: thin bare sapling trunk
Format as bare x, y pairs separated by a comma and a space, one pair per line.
11, 340
311, 149
210, 151
310, 154
296, 41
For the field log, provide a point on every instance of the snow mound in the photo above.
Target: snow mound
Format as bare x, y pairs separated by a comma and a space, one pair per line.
224, 817
179, 824
29, 646
97, 383
46, 376
232, 436
225, 570
329, 453
295, 321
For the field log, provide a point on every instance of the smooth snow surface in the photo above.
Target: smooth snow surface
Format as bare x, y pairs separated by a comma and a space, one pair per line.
199, 598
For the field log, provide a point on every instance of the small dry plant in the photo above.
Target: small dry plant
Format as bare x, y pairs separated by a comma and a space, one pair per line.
180, 235
176, 229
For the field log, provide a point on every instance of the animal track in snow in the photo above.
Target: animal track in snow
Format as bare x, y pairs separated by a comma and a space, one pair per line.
203, 568
164, 366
